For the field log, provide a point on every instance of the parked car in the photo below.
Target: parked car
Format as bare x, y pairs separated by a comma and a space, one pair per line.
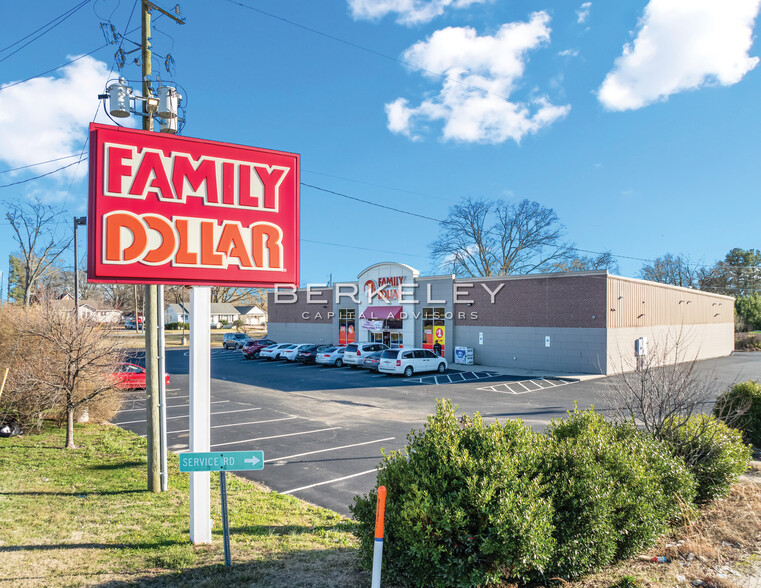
252, 348
129, 376
371, 361
130, 325
309, 355
411, 361
235, 340
356, 352
292, 353
331, 356
275, 351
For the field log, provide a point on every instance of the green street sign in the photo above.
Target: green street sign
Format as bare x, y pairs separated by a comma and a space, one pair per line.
226, 461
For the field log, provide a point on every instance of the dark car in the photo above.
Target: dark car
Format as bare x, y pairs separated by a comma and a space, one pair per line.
371, 361
252, 348
309, 355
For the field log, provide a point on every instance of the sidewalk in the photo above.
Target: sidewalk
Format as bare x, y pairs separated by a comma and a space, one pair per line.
528, 374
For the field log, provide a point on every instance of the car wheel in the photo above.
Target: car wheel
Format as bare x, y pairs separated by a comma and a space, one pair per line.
408, 371
339, 363
442, 368
257, 355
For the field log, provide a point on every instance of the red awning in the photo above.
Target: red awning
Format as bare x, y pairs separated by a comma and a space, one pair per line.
382, 313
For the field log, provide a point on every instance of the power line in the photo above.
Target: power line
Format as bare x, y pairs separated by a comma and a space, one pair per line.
368, 50
6, 171
6, 86
363, 248
47, 28
399, 210
41, 175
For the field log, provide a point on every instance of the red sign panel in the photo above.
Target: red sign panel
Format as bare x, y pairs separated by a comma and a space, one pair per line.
177, 210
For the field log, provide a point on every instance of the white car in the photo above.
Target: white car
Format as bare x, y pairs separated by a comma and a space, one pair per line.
411, 361
356, 352
331, 356
275, 351
292, 353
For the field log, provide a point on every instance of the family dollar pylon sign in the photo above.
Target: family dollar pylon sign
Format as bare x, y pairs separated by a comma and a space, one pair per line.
175, 210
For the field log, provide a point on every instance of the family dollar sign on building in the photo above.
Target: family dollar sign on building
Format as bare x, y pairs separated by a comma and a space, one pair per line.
175, 210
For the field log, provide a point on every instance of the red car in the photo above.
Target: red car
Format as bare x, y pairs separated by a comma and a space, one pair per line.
129, 376
252, 348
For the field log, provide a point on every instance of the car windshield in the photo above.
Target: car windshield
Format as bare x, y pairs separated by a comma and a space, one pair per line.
390, 354
329, 350
351, 348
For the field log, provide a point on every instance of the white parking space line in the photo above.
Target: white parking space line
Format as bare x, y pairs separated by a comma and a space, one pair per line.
274, 437
329, 482
286, 457
232, 411
170, 406
508, 387
240, 424
184, 416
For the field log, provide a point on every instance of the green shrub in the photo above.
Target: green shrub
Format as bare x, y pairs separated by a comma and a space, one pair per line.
176, 326
464, 505
714, 452
746, 397
614, 490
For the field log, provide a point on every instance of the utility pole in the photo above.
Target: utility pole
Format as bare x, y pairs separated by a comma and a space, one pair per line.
154, 377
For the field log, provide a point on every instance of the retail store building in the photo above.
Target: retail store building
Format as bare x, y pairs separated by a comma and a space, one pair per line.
579, 322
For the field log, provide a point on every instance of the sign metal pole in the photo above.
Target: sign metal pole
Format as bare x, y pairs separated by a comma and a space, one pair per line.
225, 521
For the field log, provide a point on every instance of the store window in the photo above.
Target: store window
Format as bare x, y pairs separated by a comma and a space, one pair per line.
433, 328
346, 317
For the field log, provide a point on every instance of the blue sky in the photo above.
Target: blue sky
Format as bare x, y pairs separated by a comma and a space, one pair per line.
636, 121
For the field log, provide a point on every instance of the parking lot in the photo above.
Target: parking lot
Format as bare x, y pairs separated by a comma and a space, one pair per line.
322, 429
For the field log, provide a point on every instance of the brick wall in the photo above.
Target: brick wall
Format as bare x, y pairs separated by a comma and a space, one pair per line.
562, 301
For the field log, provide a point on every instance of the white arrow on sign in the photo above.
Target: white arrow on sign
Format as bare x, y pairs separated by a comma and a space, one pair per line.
253, 460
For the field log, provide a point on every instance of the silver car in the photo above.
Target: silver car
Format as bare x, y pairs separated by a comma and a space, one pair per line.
331, 356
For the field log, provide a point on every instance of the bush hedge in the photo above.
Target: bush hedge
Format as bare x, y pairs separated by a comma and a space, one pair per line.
614, 491
743, 396
715, 453
470, 504
465, 506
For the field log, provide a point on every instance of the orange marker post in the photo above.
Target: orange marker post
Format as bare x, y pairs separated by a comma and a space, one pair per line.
380, 515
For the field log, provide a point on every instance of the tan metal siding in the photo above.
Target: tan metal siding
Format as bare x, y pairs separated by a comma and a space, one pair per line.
634, 303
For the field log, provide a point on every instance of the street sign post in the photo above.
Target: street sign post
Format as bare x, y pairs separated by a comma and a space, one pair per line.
222, 462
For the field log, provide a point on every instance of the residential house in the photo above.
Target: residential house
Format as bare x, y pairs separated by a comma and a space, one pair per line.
252, 316
219, 312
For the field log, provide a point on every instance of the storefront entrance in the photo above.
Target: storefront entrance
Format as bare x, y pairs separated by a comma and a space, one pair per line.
392, 339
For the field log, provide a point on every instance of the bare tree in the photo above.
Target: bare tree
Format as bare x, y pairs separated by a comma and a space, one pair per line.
662, 389
481, 238
34, 228
79, 359
603, 261
676, 270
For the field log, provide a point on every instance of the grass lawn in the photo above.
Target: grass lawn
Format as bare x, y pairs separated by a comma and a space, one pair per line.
84, 517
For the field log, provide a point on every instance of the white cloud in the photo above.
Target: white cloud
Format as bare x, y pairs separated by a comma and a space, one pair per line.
583, 12
482, 72
409, 12
682, 45
47, 118
569, 53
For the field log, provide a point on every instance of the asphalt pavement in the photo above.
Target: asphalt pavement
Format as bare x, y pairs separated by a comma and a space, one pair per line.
322, 429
